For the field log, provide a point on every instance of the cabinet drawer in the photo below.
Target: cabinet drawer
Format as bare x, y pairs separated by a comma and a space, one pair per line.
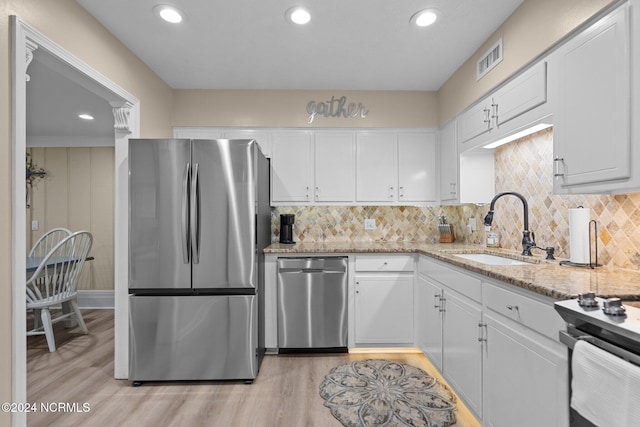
537, 315
466, 284
384, 263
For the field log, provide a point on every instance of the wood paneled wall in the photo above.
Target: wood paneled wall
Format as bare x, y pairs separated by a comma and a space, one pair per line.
77, 193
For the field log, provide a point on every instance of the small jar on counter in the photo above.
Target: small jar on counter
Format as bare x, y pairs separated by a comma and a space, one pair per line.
493, 239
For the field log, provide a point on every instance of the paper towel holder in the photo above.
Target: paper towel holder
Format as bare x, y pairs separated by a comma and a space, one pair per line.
594, 254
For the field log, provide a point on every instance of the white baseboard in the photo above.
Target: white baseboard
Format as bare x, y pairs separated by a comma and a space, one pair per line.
92, 299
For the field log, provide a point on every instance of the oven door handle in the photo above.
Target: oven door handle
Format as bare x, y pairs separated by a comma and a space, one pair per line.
573, 335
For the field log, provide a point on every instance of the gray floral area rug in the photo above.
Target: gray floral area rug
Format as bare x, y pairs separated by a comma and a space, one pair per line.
386, 393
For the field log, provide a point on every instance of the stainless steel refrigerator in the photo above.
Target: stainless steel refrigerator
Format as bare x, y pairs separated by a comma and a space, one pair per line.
199, 219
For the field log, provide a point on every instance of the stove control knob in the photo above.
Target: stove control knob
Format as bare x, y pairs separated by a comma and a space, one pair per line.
613, 307
587, 299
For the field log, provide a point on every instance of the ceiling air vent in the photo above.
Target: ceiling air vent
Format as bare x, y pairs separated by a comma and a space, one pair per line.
490, 59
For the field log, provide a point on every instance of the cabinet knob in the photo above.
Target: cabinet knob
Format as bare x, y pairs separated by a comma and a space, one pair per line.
512, 307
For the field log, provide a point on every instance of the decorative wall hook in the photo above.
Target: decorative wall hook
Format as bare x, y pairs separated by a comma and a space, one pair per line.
33, 175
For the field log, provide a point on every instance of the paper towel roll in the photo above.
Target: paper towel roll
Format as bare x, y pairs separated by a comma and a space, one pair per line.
579, 235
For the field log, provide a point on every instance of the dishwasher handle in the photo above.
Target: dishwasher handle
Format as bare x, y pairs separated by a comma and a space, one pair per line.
312, 265
310, 270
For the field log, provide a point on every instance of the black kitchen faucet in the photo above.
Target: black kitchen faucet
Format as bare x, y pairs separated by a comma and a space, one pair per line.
528, 238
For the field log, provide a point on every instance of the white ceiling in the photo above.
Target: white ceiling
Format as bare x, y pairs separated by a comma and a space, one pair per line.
348, 45
247, 44
56, 94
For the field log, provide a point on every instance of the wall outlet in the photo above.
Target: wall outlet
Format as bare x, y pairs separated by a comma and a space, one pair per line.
369, 224
471, 227
35, 225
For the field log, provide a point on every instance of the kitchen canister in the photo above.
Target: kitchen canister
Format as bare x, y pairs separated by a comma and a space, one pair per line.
579, 219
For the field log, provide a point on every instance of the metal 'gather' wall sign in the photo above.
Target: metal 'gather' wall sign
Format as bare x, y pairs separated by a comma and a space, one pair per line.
336, 107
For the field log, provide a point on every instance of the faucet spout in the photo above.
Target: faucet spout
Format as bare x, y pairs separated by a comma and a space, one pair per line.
527, 236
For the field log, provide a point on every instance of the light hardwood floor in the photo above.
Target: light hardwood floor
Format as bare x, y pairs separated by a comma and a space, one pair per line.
285, 394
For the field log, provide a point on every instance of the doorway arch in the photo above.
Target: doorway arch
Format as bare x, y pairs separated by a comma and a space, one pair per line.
126, 110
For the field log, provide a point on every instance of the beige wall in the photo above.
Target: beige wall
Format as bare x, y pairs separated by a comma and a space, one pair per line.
534, 27
68, 24
288, 108
77, 193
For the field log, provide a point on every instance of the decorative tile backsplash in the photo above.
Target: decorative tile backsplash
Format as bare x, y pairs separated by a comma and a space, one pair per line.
524, 166
346, 223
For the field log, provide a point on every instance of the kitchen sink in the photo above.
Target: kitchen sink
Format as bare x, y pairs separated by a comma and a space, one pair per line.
490, 259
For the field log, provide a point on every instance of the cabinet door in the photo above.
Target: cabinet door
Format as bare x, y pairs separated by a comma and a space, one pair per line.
376, 163
429, 317
384, 309
197, 133
416, 167
591, 132
525, 384
335, 167
462, 351
262, 137
520, 95
474, 122
448, 163
291, 174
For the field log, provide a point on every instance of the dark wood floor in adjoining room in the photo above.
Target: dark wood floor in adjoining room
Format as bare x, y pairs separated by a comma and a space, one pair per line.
286, 392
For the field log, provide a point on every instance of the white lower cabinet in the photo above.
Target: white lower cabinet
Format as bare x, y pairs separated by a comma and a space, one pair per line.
462, 350
525, 381
525, 367
429, 307
381, 313
496, 345
383, 302
449, 327
448, 335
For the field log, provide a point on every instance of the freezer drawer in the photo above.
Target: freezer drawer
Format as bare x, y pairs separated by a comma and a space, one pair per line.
201, 337
312, 303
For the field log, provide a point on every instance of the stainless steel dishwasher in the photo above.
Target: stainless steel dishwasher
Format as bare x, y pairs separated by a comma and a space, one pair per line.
312, 304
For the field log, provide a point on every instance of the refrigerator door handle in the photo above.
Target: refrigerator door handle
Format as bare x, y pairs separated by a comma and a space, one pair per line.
195, 215
185, 214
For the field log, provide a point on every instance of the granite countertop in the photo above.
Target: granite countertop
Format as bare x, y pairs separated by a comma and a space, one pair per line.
544, 277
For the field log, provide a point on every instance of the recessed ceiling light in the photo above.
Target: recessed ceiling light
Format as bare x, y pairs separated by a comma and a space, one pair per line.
298, 15
424, 18
168, 13
85, 116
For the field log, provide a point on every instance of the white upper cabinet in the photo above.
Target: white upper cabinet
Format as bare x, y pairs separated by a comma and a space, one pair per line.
263, 138
198, 133
291, 166
592, 141
493, 117
334, 167
396, 168
343, 166
448, 164
524, 93
417, 167
474, 122
376, 167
